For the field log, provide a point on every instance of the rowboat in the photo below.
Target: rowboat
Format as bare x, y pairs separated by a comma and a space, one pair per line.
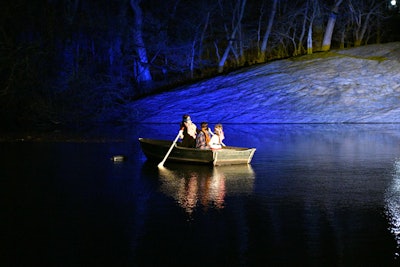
228, 155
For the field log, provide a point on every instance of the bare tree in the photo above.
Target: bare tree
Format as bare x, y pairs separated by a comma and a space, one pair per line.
267, 33
142, 63
315, 11
361, 14
198, 38
241, 4
300, 46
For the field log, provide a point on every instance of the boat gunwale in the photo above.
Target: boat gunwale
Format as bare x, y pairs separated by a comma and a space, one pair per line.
208, 156
167, 143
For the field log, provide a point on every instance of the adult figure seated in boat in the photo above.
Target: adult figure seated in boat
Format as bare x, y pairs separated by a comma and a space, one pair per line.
218, 137
188, 132
203, 137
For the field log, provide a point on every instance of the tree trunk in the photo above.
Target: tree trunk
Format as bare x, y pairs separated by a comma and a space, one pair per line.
362, 25
192, 56
143, 70
232, 37
343, 39
326, 44
300, 46
203, 33
315, 8
264, 44
363, 30
309, 40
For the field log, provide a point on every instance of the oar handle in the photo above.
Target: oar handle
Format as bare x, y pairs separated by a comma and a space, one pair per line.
161, 164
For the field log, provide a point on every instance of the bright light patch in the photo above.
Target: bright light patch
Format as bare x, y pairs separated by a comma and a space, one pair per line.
393, 2
393, 205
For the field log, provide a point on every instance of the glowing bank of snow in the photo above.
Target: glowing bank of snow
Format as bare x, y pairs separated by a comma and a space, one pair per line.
359, 85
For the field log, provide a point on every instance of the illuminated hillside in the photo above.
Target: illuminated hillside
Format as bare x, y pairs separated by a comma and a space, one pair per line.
358, 85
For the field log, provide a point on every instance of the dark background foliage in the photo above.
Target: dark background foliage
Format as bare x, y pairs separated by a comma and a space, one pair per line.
71, 63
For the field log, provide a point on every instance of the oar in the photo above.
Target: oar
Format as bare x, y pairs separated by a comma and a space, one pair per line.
161, 164
214, 134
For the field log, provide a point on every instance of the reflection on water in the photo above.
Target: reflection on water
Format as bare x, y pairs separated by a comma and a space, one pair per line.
205, 186
393, 205
316, 198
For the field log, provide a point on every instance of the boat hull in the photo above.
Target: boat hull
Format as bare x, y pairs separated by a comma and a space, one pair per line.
157, 149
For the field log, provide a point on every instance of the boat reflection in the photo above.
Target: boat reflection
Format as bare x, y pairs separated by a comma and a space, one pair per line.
195, 185
392, 199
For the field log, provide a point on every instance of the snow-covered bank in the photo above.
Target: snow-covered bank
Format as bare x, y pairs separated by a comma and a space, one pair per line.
359, 85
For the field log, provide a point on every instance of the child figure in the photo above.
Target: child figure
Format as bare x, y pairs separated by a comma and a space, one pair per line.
203, 137
217, 138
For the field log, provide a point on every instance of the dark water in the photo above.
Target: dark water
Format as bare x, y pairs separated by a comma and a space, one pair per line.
314, 195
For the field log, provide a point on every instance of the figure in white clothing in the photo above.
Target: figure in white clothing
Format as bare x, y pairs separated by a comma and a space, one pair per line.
217, 138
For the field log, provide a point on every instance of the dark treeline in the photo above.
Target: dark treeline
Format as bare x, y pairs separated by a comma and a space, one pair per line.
72, 62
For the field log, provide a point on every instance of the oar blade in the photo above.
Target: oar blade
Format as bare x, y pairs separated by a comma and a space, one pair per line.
161, 164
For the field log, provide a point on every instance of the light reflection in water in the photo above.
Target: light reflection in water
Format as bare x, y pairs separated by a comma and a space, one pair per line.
393, 205
192, 185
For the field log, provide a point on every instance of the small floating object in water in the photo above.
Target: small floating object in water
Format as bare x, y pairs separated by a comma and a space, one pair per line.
118, 158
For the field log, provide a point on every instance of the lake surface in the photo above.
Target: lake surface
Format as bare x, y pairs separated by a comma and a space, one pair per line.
314, 195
